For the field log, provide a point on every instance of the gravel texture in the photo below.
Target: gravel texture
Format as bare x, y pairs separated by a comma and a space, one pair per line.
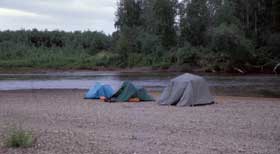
64, 123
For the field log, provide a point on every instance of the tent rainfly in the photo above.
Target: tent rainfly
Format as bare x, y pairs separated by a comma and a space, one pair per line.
129, 90
99, 90
186, 90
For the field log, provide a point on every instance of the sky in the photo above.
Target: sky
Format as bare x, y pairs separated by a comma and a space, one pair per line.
67, 15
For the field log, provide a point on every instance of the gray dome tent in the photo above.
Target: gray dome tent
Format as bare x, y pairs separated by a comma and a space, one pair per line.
186, 90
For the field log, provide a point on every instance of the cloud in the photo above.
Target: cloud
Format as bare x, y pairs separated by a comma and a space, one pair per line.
16, 13
69, 15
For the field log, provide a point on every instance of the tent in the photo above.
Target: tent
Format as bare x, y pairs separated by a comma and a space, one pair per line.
128, 90
186, 90
99, 90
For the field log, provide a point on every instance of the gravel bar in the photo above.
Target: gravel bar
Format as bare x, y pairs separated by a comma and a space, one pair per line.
64, 123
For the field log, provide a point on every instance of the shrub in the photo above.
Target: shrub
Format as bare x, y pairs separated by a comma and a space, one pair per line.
148, 43
105, 59
187, 55
19, 138
230, 41
274, 45
214, 61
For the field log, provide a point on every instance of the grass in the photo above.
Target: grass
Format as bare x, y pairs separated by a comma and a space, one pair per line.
19, 138
55, 58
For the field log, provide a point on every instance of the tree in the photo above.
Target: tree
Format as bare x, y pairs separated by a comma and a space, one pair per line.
194, 21
276, 15
164, 19
129, 14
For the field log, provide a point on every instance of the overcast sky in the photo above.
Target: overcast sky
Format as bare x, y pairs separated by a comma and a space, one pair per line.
68, 15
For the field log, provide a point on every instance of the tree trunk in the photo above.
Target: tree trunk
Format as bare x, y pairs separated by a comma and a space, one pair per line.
256, 23
247, 17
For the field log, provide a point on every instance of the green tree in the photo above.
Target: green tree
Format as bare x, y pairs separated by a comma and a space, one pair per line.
194, 21
129, 14
164, 12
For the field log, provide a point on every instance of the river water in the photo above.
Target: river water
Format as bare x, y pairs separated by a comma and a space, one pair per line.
253, 85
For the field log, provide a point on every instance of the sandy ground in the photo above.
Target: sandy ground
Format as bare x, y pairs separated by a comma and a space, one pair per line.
64, 123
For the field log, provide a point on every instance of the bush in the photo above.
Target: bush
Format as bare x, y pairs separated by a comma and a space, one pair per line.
274, 45
148, 43
19, 138
187, 55
105, 59
230, 41
214, 61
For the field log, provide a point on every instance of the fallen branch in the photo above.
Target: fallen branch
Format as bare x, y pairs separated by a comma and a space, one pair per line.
276, 67
239, 70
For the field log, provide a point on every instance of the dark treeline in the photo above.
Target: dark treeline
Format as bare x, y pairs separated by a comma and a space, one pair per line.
216, 35
210, 35
54, 49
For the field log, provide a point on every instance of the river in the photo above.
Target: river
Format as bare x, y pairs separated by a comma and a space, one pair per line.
251, 85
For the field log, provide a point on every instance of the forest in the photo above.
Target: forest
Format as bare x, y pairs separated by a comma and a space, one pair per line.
241, 36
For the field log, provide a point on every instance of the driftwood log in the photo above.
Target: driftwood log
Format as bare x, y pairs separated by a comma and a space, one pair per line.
276, 67
239, 70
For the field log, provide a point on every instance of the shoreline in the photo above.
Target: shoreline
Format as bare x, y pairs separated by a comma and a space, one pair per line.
121, 70
155, 94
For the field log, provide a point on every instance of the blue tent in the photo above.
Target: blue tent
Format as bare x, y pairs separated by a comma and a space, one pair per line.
99, 90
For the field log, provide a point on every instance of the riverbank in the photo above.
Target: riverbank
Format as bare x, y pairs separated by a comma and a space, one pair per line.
94, 69
28, 70
63, 122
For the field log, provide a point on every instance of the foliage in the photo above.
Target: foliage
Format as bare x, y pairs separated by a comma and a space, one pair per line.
194, 21
187, 55
164, 13
230, 41
51, 49
128, 14
19, 138
216, 35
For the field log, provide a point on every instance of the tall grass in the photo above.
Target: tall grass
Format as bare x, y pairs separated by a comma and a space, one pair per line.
19, 138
